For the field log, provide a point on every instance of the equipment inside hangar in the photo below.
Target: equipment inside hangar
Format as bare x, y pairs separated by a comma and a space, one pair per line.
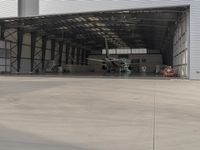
147, 40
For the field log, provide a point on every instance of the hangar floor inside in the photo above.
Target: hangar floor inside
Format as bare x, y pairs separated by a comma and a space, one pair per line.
51, 113
105, 75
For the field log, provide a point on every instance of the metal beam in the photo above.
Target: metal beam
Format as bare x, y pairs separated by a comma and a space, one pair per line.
19, 48
86, 57
77, 56
72, 54
33, 44
67, 53
60, 53
53, 47
91, 28
82, 56
2, 31
44, 43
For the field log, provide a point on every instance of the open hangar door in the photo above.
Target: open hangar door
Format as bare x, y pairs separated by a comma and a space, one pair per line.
150, 39
63, 43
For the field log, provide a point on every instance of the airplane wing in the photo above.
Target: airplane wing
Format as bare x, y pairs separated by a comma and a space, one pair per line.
134, 64
96, 60
117, 63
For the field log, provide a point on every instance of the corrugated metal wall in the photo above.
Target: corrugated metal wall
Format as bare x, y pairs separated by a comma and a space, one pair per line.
4, 56
180, 46
8, 8
11, 49
11, 35
69, 6
194, 53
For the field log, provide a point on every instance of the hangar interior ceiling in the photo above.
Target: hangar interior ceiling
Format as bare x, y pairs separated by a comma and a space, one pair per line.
149, 28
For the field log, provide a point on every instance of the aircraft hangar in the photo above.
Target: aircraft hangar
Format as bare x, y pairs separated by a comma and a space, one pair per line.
99, 74
44, 40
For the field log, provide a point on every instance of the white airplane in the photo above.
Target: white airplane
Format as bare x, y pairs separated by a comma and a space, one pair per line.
111, 64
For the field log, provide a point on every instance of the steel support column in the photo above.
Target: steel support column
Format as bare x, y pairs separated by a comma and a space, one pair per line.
19, 48
82, 56
67, 53
86, 57
72, 55
53, 47
44, 43
60, 53
77, 56
2, 30
33, 44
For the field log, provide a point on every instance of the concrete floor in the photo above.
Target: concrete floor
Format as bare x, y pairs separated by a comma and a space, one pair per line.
54, 113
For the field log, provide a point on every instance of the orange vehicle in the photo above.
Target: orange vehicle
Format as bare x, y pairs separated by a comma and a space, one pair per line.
168, 71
